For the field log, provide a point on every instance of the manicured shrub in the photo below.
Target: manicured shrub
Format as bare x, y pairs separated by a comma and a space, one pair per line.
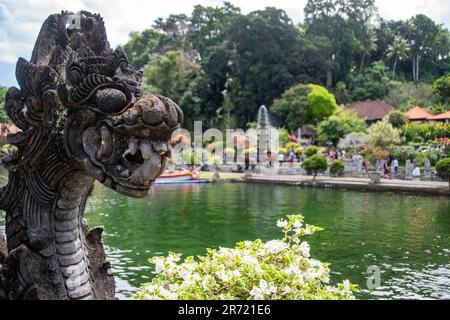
273, 270
337, 168
310, 151
314, 165
443, 169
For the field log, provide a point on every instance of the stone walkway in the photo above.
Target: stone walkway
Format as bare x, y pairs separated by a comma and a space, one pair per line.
364, 184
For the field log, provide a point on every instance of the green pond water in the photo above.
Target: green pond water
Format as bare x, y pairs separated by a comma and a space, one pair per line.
406, 236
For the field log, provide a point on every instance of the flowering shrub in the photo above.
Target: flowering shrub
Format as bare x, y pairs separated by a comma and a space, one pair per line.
274, 270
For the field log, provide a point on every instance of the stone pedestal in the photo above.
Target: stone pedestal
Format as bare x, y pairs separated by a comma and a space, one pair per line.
408, 170
427, 169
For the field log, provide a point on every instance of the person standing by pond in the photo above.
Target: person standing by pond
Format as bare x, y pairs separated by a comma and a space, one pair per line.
281, 159
269, 158
291, 159
416, 172
366, 166
395, 165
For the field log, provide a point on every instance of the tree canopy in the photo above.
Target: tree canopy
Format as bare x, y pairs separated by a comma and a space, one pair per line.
245, 60
339, 125
304, 104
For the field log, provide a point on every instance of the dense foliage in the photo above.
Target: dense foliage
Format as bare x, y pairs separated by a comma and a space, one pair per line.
419, 153
425, 132
338, 126
230, 63
337, 168
397, 118
304, 104
315, 165
443, 169
382, 134
311, 151
273, 270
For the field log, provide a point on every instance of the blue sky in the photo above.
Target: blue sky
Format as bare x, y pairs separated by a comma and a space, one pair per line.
20, 20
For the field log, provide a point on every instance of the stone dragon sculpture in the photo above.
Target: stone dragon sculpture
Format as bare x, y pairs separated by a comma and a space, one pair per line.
83, 117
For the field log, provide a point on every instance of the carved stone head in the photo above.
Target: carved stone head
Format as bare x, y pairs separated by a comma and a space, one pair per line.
81, 99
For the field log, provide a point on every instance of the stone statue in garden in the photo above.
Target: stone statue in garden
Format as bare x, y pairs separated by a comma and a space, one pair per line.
83, 117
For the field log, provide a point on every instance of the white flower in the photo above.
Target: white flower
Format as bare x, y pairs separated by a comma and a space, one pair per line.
293, 274
297, 224
292, 270
264, 288
249, 260
206, 281
282, 223
346, 284
223, 275
159, 265
167, 295
296, 240
305, 249
275, 246
256, 293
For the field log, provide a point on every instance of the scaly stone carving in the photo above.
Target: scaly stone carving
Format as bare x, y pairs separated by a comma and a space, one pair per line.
84, 117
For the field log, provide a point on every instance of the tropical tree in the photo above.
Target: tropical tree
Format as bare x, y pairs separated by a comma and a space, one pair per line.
422, 38
141, 46
209, 27
264, 62
442, 87
368, 45
304, 104
373, 84
175, 76
398, 50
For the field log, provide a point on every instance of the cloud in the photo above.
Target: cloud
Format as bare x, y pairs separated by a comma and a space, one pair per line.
438, 10
20, 20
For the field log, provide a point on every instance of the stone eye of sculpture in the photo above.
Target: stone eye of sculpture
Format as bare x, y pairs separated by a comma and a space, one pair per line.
83, 117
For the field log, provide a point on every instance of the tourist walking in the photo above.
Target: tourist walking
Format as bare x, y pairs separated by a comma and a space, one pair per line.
281, 159
291, 158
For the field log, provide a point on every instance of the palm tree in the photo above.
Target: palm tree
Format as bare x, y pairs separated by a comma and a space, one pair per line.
368, 45
398, 50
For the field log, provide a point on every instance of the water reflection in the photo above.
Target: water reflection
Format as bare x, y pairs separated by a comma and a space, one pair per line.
408, 237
